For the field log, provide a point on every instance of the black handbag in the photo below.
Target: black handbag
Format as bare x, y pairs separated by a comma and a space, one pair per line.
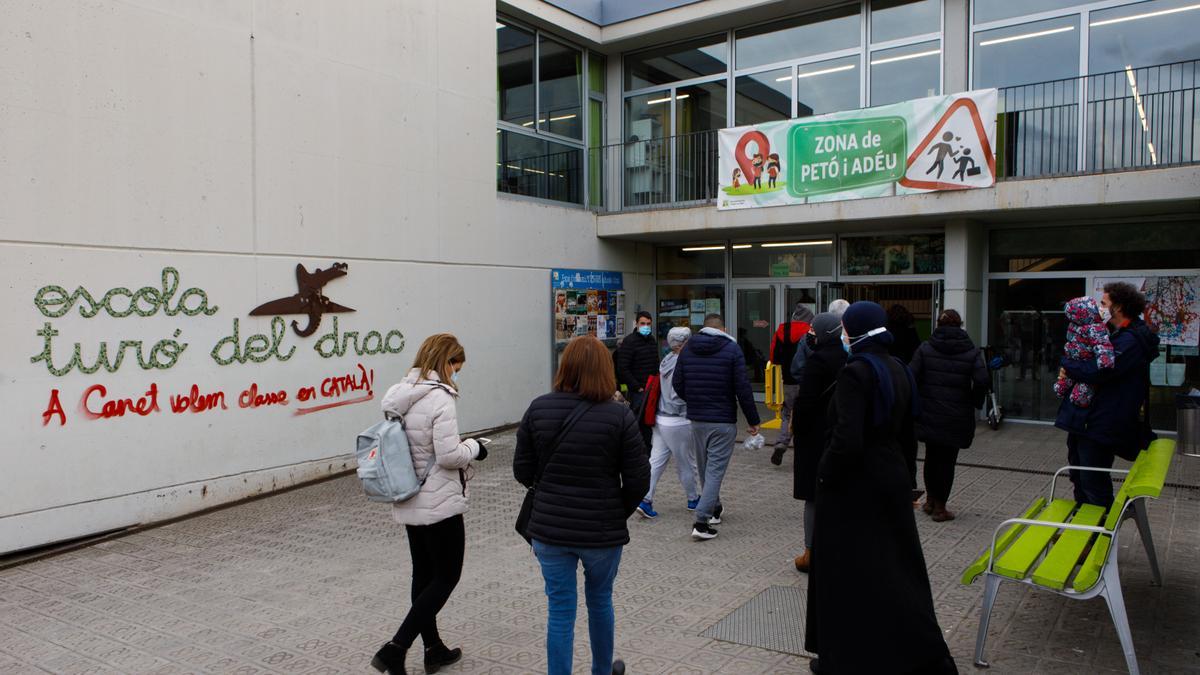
522, 524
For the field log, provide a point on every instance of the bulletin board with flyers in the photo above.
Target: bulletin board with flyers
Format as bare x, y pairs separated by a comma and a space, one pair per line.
587, 302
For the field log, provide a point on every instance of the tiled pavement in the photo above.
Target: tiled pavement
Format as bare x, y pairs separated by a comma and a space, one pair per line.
313, 580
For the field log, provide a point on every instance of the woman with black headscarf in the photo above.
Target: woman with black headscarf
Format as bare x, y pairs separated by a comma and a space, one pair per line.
825, 358
868, 579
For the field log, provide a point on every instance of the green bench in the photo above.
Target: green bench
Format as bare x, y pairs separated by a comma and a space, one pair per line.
1047, 547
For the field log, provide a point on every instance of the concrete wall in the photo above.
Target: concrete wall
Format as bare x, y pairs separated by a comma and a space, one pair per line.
219, 144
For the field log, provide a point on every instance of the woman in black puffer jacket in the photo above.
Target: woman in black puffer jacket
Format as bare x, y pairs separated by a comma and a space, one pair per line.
591, 483
946, 367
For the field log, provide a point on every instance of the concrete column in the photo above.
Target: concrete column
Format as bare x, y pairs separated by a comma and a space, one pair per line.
956, 41
965, 249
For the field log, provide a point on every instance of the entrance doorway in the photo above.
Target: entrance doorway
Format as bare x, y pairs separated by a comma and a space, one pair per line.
758, 309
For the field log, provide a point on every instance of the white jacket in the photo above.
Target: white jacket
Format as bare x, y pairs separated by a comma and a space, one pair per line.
431, 423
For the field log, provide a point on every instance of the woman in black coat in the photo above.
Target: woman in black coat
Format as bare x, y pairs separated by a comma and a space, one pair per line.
870, 609
587, 482
825, 358
947, 368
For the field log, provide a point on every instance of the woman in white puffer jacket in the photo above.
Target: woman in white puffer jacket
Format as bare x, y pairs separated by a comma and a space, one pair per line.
425, 399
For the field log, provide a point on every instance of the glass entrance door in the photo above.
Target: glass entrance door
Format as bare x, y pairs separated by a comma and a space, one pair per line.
754, 321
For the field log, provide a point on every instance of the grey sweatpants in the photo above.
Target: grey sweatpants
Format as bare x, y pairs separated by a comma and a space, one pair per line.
790, 391
677, 442
714, 447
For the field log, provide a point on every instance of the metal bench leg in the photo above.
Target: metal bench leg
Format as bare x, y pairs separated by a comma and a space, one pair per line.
991, 586
1143, 526
1116, 607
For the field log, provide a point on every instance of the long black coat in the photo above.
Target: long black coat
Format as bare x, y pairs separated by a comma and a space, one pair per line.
868, 579
594, 480
946, 367
810, 413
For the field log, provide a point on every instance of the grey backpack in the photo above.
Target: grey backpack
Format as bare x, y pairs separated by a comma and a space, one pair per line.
385, 464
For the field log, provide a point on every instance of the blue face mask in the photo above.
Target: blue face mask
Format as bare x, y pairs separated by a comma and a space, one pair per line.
846, 346
454, 377
644, 330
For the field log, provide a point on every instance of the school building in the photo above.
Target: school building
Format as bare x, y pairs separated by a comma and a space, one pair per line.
225, 227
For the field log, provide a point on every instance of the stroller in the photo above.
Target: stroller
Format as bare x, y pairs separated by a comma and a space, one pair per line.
991, 403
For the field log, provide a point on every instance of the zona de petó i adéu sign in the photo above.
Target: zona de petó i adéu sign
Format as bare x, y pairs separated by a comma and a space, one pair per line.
935, 143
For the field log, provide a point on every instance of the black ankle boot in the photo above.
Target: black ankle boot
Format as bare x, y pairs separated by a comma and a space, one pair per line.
390, 659
440, 655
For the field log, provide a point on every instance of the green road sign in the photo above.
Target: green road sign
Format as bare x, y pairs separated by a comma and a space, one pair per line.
840, 156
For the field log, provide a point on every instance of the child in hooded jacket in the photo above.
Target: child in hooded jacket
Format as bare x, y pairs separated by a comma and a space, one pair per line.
1087, 338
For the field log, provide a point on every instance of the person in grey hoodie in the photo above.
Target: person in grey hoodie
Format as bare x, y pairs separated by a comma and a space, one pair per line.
672, 432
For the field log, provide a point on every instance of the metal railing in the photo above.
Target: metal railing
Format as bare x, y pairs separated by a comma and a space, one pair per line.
1124, 120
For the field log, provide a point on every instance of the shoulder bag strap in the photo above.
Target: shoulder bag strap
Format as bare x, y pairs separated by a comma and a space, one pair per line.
576, 413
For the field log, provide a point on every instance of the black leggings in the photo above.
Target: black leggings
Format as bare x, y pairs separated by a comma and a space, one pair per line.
939, 470
437, 555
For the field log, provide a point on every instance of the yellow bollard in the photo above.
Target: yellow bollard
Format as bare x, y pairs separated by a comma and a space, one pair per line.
773, 394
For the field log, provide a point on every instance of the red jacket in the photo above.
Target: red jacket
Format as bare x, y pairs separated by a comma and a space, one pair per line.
798, 330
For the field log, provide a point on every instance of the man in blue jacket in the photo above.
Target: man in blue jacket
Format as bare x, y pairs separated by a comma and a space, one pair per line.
1112, 425
711, 378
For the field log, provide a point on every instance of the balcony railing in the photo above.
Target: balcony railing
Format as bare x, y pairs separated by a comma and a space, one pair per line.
1129, 119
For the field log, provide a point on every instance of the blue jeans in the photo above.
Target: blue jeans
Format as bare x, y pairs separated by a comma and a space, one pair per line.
714, 447
559, 564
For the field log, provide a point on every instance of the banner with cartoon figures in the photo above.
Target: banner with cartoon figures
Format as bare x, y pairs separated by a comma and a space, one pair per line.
930, 144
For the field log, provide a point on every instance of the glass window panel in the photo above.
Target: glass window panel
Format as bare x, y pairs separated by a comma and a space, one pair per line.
596, 73
994, 10
895, 19
1123, 246
905, 73
560, 74
698, 108
531, 166
692, 261
1144, 34
1031, 52
675, 302
673, 63
647, 120
763, 97
514, 74
1027, 325
828, 86
812, 260
756, 323
894, 254
799, 37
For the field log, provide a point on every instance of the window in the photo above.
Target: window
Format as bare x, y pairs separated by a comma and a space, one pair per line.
1124, 246
799, 37
763, 97
1143, 34
987, 11
700, 261
1027, 53
514, 74
894, 254
897, 19
542, 115
828, 86
784, 259
905, 73
560, 76
677, 302
528, 165
674, 63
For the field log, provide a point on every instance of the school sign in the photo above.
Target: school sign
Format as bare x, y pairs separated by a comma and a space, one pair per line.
936, 143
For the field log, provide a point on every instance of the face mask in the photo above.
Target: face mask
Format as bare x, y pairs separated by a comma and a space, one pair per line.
1106, 314
846, 342
644, 330
454, 377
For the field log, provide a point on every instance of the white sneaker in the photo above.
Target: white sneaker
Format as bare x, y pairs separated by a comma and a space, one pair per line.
702, 532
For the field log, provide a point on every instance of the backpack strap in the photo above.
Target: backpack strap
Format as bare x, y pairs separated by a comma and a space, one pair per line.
572, 418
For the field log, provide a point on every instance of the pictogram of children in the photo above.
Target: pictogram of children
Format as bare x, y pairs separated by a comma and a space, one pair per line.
943, 151
772, 169
737, 174
1087, 338
963, 160
758, 169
